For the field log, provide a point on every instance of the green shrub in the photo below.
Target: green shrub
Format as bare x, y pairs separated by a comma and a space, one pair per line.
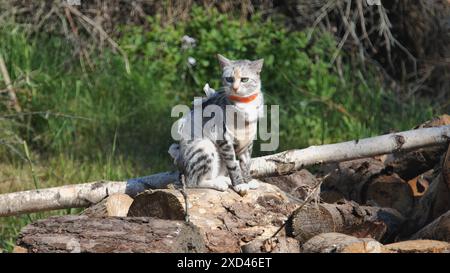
317, 105
104, 123
92, 109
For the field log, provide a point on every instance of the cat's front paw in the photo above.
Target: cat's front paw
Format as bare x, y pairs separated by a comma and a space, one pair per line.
216, 184
253, 184
242, 189
221, 185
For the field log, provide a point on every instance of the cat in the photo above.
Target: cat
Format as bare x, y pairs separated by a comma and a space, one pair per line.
220, 156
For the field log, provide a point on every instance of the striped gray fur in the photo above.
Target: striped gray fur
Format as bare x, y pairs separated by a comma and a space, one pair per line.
221, 156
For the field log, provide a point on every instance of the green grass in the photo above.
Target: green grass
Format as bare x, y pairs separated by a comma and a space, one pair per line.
86, 124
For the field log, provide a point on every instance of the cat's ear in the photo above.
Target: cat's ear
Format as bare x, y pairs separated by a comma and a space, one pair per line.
257, 65
223, 61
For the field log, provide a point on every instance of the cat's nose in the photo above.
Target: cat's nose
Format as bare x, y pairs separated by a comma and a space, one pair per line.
235, 87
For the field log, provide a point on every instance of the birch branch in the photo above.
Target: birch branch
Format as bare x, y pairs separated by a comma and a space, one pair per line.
293, 160
69, 196
11, 93
83, 195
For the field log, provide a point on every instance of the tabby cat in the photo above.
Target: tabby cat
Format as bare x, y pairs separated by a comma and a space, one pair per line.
220, 155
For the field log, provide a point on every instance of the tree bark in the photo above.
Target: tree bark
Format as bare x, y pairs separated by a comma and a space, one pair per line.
116, 204
278, 164
411, 164
435, 201
227, 220
14, 102
368, 181
331, 196
293, 160
390, 191
279, 244
299, 184
419, 246
96, 235
439, 229
350, 178
341, 243
69, 196
155, 181
381, 224
420, 184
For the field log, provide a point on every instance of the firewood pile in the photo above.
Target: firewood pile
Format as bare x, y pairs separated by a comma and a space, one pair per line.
395, 203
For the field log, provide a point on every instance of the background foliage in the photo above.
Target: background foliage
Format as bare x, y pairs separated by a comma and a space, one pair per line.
86, 117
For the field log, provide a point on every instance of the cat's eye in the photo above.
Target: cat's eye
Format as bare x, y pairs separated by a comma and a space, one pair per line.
244, 79
229, 79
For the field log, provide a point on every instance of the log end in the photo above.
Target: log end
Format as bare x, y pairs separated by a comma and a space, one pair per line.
116, 204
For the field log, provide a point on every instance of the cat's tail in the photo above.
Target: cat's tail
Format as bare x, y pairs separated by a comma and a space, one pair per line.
208, 90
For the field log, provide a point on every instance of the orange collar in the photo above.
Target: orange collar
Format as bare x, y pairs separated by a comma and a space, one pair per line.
243, 99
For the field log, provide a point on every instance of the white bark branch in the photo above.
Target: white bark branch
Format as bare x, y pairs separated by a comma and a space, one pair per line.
293, 160
83, 195
11, 93
70, 196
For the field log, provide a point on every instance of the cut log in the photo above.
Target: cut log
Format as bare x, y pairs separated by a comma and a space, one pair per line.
331, 196
420, 184
299, 184
411, 164
389, 191
435, 201
432, 204
83, 195
439, 229
368, 181
341, 243
381, 224
19, 249
350, 177
114, 205
110, 234
226, 219
419, 246
279, 244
